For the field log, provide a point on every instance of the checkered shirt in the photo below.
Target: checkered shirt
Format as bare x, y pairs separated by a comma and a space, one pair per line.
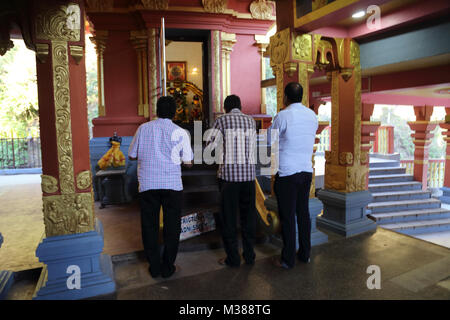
160, 146
238, 132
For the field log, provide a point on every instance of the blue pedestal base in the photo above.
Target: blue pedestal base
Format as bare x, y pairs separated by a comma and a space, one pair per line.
82, 250
345, 213
445, 198
315, 207
6, 278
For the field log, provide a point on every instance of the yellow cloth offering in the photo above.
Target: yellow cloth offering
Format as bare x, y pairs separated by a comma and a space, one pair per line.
113, 158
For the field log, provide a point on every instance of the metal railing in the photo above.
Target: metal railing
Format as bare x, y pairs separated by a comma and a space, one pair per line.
384, 140
436, 171
20, 153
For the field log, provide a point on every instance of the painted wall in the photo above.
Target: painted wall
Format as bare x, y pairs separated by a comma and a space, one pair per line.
121, 81
191, 52
246, 73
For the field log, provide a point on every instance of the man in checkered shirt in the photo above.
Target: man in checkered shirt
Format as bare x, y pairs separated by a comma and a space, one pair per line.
159, 147
236, 176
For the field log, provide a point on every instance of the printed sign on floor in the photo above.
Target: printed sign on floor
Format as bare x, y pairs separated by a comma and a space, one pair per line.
197, 223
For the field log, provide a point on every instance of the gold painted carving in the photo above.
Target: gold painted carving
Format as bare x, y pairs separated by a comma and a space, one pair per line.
290, 68
227, 42
356, 178
42, 52
261, 9
59, 23
345, 158
302, 49
84, 180
49, 184
62, 112
68, 214
216, 55
100, 5
139, 39
335, 177
153, 70
77, 53
215, 6
155, 4
279, 47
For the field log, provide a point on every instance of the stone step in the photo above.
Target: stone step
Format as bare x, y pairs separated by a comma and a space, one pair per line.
389, 206
400, 195
201, 189
394, 186
383, 163
410, 215
416, 227
403, 177
386, 171
199, 178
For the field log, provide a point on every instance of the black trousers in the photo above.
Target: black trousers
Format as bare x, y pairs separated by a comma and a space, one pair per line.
151, 202
234, 196
292, 194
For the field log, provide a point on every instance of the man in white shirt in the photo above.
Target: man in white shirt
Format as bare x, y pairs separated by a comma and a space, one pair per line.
297, 126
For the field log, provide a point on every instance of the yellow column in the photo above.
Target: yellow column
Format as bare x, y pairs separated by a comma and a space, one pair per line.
262, 43
227, 41
139, 39
99, 40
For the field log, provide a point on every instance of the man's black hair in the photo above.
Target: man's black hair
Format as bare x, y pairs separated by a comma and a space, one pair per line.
294, 92
232, 102
166, 107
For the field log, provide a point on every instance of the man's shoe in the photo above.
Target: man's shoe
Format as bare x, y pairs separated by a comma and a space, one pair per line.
223, 262
177, 269
156, 275
307, 260
277, 263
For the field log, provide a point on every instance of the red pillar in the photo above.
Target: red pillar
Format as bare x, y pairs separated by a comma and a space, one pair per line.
422, 135
61, 79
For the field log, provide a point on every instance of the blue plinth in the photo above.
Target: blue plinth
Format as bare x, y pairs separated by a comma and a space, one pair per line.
315, 207
345, 213
445, 198
83, 250
6, 278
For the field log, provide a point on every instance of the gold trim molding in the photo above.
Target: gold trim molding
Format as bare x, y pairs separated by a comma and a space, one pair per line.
77, 53
42, 50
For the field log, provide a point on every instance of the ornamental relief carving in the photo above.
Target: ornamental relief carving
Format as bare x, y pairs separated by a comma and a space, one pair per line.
84, 180
215, 6
345, 158
49, 184
279, 47
63, 118
261, 9
356, 178
59, 23
302, 47
68, 214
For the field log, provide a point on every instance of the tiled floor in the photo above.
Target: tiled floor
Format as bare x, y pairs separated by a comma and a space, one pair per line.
410, 268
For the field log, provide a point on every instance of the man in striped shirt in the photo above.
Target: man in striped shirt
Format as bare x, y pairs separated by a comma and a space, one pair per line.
236, 176
159, 147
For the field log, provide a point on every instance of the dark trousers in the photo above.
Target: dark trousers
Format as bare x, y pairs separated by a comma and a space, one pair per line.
234, 196
292, 194
151, 202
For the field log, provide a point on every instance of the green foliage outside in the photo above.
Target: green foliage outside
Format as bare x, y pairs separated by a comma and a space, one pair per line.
19, 115
392, 115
